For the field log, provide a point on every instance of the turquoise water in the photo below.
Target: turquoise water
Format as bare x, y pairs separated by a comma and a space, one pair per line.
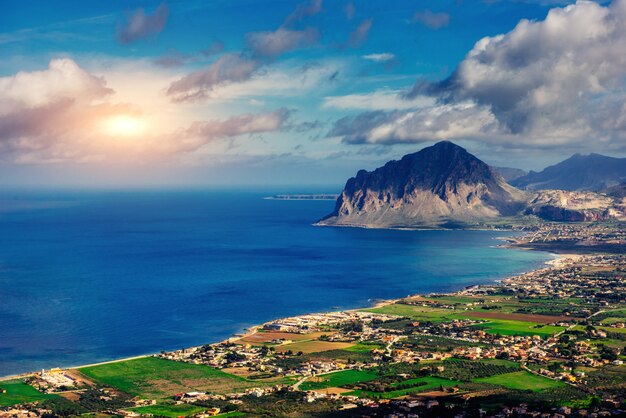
93, 276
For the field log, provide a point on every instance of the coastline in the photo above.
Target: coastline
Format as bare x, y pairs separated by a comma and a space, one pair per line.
555, 262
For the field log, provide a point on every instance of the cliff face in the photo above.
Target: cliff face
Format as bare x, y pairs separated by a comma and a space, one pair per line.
438, 185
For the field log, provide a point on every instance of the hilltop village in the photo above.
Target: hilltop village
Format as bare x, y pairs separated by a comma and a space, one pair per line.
547, 343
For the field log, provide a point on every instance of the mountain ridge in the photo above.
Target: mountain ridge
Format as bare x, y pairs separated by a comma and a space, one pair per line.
593, 172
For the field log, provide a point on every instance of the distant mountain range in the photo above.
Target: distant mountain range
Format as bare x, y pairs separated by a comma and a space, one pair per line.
445, 186
592, 172
509, 174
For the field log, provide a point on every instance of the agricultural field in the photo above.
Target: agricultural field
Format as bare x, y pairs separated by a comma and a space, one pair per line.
315, 346
167, 410
505, 317
421, 384
152, 378
264, 337
504, 327
19, 392
415, 312
338, 379
521, 380
466, 370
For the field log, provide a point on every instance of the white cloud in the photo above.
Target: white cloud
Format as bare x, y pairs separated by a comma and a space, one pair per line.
382, 57
63, 78
377, 100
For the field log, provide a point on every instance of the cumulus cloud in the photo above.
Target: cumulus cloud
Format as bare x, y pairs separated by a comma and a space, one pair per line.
465, 121
141, 25
63, 78
545, 83
274, 43
431, 19
359, 35
199, 84
382, 57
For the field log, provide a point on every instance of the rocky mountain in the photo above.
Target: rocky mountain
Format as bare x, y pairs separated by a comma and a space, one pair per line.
438, 185
593, 172
509, 174
445, 186
566, 206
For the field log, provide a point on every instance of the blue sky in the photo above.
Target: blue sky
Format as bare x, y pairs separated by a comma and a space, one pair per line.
288, 92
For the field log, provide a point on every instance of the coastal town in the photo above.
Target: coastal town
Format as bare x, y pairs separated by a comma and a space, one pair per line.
546, 343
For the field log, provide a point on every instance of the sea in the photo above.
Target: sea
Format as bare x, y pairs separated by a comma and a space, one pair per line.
90, 276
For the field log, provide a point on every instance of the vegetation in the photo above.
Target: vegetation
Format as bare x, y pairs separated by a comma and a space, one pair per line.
338, 379
505, 327
152, 377
521, 380
18, 392
168, 410
422, 384
465, 370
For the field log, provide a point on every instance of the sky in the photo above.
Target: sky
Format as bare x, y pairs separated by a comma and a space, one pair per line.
276, 92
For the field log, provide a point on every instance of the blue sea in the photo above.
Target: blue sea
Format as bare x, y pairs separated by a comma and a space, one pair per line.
88, 276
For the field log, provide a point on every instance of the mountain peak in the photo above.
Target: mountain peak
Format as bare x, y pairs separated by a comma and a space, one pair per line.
442, 181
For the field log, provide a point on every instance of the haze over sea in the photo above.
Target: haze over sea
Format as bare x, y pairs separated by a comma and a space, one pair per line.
93, 276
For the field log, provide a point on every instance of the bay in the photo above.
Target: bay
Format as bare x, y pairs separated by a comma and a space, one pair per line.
89, 276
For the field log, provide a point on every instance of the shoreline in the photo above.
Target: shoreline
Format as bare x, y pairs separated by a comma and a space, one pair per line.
555, 262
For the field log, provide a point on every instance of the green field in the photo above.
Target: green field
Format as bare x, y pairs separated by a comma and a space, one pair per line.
170, 410
337, 379
418, 313
507, 327
432, 383
522, 381
493, 326
362, 347
174, 411
152, 377
19, 392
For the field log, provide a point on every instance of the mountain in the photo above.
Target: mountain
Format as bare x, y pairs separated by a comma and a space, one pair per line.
441, 185
509, 174
593, 172
568, 206
445, 186
618, 191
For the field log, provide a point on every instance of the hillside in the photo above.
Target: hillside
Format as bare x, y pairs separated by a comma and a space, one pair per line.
593, 172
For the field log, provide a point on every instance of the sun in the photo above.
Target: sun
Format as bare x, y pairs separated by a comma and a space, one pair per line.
123, 125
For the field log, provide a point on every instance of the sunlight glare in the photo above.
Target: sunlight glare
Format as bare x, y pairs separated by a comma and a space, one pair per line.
124, 125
